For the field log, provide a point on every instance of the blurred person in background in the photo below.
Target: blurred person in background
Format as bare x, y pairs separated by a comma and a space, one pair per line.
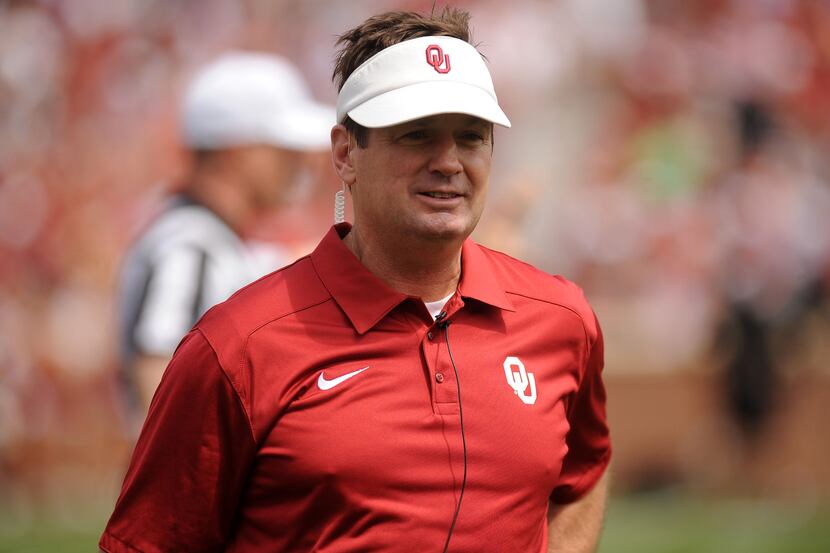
321, 407
772, 218
751, 372
248, 120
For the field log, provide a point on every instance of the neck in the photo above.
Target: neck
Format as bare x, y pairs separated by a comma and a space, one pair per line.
428, 270
222, 197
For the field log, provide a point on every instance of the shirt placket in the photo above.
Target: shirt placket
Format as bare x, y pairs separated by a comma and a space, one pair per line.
444, 385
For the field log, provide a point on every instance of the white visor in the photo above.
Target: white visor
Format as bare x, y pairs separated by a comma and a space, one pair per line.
418, 78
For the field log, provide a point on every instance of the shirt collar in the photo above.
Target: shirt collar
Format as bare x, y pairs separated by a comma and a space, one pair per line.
478, 278
365, 299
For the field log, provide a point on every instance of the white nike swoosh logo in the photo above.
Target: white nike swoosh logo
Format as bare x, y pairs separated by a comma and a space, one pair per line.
324, 384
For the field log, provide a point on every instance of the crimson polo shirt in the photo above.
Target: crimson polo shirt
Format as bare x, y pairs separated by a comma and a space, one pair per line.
265, 433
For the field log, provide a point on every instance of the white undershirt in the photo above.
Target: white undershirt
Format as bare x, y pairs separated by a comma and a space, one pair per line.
435, 307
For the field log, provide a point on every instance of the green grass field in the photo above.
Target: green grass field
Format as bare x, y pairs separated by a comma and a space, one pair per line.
654, 524
670, 525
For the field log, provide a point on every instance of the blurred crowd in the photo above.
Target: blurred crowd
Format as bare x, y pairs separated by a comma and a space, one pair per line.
669, 156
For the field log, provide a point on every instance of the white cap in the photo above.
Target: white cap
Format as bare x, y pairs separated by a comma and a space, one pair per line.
247, 98
418, 78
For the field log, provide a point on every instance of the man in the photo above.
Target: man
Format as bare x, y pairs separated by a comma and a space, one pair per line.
401, 389
247, 118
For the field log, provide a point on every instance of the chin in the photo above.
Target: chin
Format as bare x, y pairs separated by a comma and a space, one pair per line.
444, 230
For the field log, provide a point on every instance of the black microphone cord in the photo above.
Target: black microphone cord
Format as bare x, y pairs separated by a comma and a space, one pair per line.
446, 327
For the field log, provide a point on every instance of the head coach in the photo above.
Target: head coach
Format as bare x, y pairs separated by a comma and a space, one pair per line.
402, 388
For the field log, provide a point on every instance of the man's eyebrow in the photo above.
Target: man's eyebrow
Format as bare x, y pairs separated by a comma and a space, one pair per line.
477, 124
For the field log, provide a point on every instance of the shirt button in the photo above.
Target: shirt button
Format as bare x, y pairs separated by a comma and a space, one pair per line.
439, 377
430, 335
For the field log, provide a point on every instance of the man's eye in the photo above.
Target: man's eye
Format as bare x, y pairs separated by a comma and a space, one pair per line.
473, 136
414, 135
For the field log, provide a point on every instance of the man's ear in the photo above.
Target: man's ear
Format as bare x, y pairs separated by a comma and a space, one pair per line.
341, 154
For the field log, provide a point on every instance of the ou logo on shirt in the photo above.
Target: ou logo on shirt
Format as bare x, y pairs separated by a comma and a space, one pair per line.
520, 381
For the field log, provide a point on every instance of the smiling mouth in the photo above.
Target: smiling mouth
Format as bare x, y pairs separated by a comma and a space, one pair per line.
441, 195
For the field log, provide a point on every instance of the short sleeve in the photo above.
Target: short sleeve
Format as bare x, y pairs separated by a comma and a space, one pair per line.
589, 443
171, 301
191, 462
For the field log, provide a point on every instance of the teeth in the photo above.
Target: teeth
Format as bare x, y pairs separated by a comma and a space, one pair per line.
442, 195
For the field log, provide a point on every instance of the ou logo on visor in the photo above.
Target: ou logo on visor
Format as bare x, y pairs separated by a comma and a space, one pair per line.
436, 58
522, 382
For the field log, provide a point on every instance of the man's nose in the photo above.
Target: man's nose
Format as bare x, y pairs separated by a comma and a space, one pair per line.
445, 158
